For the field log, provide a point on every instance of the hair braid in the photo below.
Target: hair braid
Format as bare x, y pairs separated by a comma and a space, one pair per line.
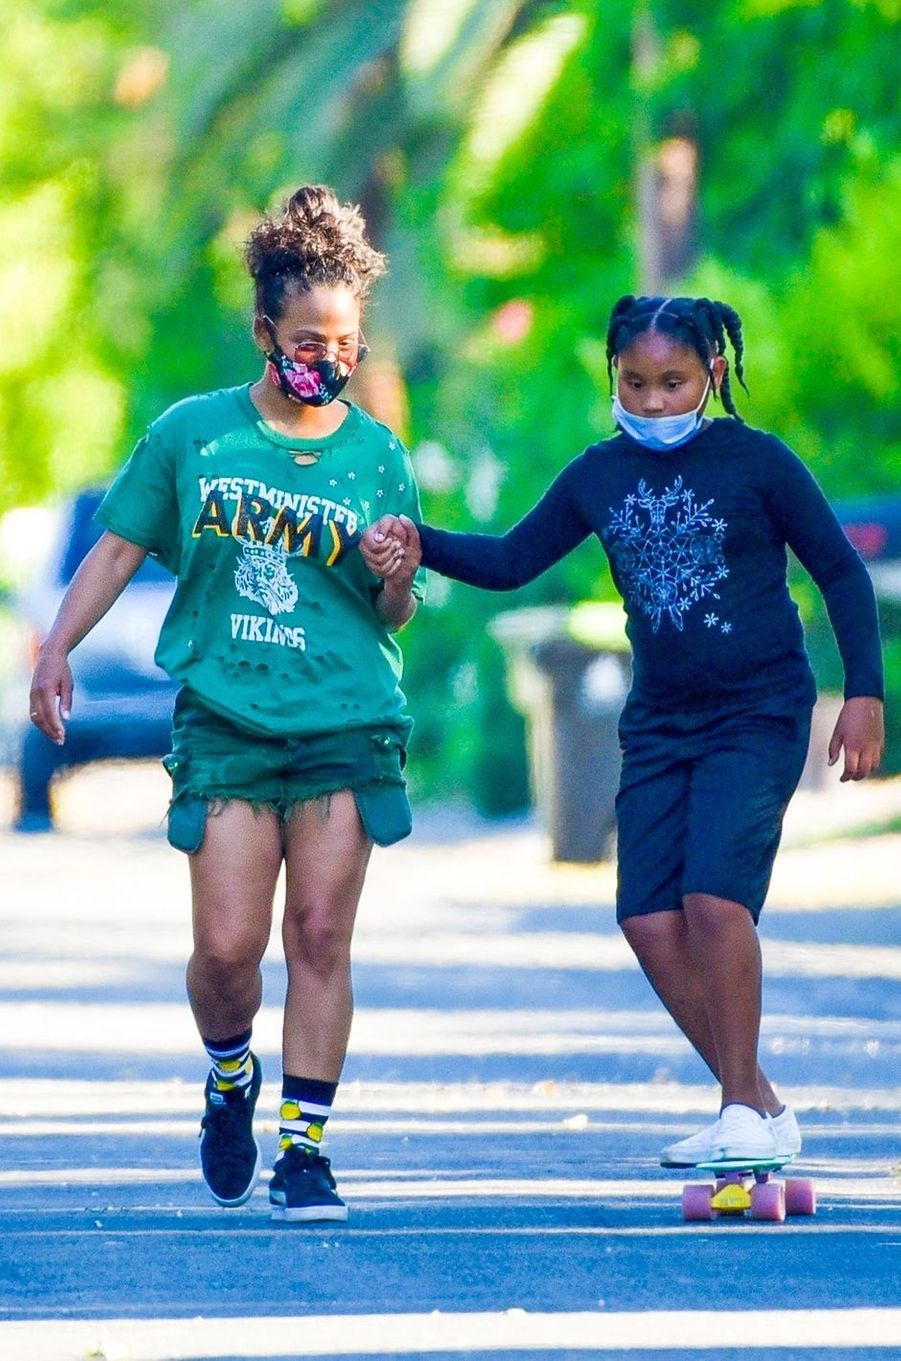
621, 310
730, 319
698, 323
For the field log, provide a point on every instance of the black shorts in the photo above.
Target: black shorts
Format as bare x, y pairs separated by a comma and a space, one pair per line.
700, 806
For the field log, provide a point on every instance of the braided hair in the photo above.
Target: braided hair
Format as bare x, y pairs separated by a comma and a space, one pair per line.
698, 323
315, 240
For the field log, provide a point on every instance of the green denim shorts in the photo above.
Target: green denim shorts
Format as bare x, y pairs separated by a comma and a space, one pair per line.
213, 762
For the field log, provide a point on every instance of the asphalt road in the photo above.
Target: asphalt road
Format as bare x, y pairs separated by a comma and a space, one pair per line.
510, 1082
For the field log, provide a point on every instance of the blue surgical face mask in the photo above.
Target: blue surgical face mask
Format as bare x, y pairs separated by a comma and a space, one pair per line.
661, 432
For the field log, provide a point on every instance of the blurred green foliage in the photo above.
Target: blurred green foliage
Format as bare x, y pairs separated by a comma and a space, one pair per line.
494, 146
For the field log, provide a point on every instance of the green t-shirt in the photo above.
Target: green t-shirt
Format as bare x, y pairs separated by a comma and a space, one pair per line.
273, 622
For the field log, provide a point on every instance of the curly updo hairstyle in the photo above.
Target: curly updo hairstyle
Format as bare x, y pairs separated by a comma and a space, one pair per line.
699, 323
315, 240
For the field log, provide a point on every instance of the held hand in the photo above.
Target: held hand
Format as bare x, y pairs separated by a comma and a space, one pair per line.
383, 545
860, 730
408, 565
391, 549
51, 695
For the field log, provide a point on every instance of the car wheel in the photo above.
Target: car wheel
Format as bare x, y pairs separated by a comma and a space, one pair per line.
38, 760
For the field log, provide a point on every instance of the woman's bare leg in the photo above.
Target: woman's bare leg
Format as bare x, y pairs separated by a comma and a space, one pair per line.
233, 878
326, 856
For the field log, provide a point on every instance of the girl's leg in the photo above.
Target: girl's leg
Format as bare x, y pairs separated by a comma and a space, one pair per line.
326, 856
233, 878
741, 782
662, 946
723, 942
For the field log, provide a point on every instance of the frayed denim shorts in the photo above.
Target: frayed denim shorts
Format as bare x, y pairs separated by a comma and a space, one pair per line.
213, 762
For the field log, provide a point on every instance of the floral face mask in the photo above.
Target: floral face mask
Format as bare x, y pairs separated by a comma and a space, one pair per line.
314, 380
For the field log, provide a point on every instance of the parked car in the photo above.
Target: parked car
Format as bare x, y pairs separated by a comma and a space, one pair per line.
122, 702
873, 524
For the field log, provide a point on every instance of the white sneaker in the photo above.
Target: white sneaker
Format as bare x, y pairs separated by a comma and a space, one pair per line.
740, 1132
786, 1133
691, 1151
744, 1133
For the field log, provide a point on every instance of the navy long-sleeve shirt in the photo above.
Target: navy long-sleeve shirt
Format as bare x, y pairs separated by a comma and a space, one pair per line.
696, 539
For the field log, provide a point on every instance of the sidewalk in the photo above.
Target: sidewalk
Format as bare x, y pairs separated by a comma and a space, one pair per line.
510, 1081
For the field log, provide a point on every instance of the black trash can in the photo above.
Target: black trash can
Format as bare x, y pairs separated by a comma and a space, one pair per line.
571, 692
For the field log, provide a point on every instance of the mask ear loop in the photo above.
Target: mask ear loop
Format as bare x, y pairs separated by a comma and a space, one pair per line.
711, 381
270, 327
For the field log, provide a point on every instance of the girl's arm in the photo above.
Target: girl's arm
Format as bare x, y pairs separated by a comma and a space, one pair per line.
814, 534
100, 580
495, 562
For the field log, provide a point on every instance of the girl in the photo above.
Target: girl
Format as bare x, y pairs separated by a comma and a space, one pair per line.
290, 729
695, 516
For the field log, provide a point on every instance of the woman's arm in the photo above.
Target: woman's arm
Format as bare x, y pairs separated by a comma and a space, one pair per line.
100, 580
395, 603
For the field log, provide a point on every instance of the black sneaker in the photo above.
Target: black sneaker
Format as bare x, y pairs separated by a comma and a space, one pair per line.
303, 1189
230, 1156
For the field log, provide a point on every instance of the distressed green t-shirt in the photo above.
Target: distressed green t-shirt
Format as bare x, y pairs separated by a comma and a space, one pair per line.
273, 623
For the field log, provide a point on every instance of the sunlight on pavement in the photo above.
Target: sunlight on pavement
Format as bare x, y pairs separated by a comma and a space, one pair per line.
510, 1332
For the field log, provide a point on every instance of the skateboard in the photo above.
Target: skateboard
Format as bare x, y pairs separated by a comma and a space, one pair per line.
744, 1185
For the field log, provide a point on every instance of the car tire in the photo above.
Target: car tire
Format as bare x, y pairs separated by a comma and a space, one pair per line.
38, 760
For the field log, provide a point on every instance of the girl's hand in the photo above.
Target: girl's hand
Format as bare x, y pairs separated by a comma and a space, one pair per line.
51, 695
391, 548
861, 731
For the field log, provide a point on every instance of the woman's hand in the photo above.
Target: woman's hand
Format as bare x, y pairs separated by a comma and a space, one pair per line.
51, 694
860, 729
97, 584
391, 549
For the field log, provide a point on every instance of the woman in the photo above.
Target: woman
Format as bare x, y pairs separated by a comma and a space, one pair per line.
290, 728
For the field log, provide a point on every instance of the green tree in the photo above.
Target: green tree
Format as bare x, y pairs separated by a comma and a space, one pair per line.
503, 151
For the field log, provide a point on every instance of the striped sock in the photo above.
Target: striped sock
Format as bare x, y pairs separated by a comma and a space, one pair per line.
306, 1106
232, 1065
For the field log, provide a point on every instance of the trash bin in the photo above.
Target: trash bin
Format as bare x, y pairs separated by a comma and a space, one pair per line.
568, 673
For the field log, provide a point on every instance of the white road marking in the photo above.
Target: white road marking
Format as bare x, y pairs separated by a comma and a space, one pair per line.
515, 1330
22, 1099
402, 1187
103, 1224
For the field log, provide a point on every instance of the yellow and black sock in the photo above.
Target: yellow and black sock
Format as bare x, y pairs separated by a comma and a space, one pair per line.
232, 1064
306, 1106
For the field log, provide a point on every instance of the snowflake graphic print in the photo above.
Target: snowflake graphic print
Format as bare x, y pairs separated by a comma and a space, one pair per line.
668, 551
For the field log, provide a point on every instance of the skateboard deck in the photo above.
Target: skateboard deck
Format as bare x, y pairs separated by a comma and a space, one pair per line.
744, 1185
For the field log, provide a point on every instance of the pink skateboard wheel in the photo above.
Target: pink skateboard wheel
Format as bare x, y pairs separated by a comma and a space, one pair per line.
768, 1201
800, 1196
696, 1198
